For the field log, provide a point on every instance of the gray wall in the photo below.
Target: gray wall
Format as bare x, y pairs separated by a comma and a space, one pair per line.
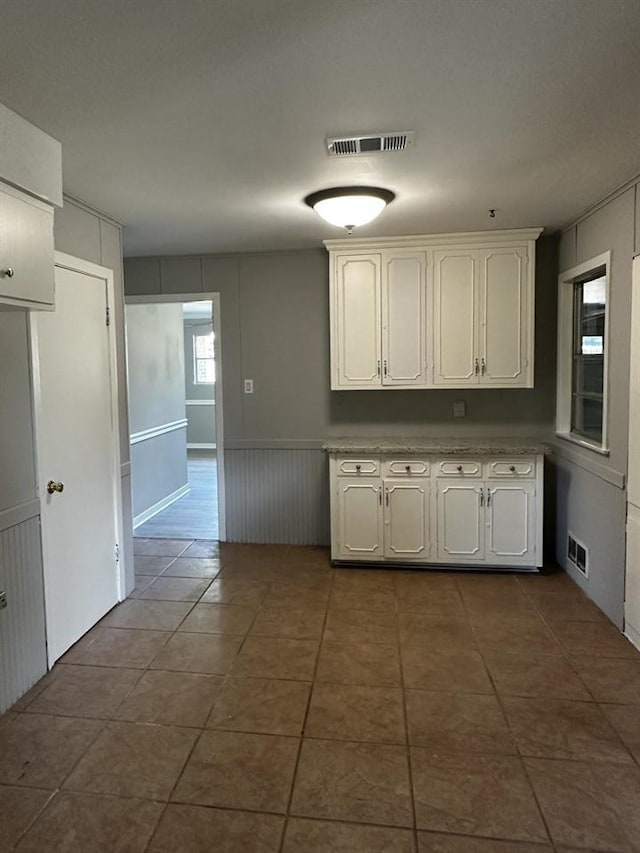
590, 487
155, 357
275, 330
201, 428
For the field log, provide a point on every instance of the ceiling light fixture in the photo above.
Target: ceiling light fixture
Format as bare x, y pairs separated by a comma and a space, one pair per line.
348, 207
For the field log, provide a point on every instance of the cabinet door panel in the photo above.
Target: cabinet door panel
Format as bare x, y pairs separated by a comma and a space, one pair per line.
511, 523
358, 321
460, 514
26, 248
455, 278
403, 319
406, 519
504, 317
360, 527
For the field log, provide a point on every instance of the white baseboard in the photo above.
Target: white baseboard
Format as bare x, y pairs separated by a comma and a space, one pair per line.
632, 635
192, 446
160, 505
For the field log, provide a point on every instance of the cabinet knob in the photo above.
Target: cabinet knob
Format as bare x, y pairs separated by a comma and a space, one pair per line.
459, 467
407, 468
358, 467
512, 468
9, 272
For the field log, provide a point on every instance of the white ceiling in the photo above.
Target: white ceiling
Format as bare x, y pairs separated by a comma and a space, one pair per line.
200, 124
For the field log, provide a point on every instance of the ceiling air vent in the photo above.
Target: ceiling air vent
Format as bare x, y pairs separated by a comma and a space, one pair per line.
372, 143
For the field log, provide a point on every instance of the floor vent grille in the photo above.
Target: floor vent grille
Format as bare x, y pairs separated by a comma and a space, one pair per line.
578, 554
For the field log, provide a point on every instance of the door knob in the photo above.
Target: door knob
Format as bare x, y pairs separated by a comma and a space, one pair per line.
52, 487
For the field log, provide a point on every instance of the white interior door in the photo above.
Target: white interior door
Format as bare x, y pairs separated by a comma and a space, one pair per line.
76, 420
632, 591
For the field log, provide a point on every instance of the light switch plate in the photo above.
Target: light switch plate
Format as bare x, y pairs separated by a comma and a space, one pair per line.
459, 409
248, 386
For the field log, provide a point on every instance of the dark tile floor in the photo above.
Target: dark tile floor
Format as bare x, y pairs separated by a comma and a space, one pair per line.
252, 698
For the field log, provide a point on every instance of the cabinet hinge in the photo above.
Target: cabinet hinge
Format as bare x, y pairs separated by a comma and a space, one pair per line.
117, 552
108, 316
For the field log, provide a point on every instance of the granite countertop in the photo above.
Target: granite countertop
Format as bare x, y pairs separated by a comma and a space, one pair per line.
438, 446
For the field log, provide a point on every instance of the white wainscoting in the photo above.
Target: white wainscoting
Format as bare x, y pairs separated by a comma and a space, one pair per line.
23, 653
277, 495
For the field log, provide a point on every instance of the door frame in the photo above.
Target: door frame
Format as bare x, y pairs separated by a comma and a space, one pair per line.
84, 267
214, 298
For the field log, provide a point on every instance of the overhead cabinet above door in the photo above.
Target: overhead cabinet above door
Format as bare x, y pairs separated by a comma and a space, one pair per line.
449, 310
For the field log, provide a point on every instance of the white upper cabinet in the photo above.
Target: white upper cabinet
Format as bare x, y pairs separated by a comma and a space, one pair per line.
379, 315
404, 315
26, 250
448, 310
357, 343
455, 297
30, 184
505, 318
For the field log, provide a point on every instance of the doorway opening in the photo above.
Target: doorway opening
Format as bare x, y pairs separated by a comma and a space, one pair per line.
174, 373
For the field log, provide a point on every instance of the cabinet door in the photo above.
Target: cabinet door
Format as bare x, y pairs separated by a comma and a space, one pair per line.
404, 318
26, 249
406, 519
460, 521
505, 318
360, 528
511, 523
357, 322
455, 283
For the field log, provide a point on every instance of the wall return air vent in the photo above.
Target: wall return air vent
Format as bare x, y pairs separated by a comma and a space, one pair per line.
372, 143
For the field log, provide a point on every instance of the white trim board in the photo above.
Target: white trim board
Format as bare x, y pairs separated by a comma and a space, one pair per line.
200, 402
17, 514
157, 507
200, 446
161, 429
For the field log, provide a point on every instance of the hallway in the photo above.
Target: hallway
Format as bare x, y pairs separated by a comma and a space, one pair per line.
251, 699
195, 515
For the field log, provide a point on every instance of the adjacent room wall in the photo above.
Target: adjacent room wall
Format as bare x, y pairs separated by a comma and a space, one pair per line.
275, 330
155, 353
591, 498
200, 399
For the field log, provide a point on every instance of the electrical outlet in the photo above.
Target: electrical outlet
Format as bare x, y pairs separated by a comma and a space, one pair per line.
459, 409
3, 600
248, 386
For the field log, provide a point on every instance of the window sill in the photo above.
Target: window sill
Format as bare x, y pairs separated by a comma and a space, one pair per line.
583, 442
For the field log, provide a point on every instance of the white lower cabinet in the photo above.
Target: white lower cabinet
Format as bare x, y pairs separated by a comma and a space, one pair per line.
406, 519
460, 532
359, 519
468, 512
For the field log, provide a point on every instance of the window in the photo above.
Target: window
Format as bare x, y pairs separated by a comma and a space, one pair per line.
204, 370
582, 353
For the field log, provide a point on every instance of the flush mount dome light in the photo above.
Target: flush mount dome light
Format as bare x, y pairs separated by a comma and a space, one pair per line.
348, 207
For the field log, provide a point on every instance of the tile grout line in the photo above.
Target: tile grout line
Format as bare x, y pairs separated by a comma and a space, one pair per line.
412, 791
306, 716
513, 735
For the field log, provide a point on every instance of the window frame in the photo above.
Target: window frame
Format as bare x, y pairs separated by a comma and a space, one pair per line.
566, 326
196, 359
